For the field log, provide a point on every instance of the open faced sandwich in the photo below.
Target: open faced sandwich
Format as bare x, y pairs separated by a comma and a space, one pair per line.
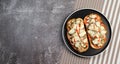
80, 33
77, 35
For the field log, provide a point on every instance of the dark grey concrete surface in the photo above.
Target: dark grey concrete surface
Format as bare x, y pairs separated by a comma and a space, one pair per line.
30, 30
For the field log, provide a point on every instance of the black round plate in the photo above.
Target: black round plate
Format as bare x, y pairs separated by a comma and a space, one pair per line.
81, 14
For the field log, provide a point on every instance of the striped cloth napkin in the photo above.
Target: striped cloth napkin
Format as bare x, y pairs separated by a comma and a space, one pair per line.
111, 55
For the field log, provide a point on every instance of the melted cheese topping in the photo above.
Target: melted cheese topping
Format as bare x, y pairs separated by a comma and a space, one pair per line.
77, 44
83, 45
85, 40
82, 33
102, 28
91, 27
81, 25
95, 41
98, 24
103, 32
78, 21
75, 34
92, 21
92, 16
72, 31
92, 33
77, 38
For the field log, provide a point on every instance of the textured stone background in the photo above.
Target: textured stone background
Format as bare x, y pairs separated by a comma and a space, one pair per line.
30, 30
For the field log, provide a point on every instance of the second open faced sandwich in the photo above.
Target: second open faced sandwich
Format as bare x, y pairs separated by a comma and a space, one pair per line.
96, 30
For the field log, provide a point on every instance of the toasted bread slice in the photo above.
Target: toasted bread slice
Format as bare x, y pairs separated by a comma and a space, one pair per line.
76, 35
96, 30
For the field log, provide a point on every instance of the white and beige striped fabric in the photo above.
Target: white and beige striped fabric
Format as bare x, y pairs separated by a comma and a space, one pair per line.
111, 9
